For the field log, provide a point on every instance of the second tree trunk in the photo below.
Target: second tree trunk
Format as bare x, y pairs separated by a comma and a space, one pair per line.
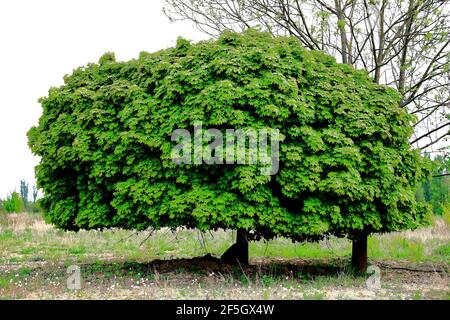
359, 253
238, 252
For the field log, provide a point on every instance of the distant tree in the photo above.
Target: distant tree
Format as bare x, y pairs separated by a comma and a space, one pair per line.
24, 192
35, 194
13, 203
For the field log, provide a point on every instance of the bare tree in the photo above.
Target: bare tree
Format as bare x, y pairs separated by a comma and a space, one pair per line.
403, 44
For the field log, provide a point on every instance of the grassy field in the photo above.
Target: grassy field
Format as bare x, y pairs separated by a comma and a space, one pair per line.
123, 264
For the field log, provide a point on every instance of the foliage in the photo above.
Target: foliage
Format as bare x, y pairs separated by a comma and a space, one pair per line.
13, 203
446, 214
345, 161
436, 188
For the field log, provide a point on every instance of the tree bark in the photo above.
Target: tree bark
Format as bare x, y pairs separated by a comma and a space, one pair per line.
359, 253
238, 252
342, 33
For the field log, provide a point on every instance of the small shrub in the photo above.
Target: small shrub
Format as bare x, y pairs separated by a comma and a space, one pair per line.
13, 203
443, 251
4, 282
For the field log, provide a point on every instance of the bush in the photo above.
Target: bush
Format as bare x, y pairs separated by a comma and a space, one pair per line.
346, 165
13, 203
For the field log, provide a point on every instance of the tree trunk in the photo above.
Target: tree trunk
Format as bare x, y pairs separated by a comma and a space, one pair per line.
238, 252
359, 253
343, 35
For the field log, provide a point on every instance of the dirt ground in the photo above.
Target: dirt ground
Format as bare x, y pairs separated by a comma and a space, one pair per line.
206, 278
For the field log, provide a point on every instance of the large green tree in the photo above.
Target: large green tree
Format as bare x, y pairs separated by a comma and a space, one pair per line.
346, 167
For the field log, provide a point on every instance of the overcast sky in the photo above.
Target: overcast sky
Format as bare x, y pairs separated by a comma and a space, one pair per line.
41, 41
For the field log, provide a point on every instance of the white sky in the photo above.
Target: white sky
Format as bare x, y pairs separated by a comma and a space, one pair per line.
41, 41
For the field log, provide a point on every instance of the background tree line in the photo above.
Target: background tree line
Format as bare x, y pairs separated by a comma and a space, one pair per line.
22, 201
436, 189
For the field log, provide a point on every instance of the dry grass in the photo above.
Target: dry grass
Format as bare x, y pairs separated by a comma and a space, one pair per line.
440, 230
19, 222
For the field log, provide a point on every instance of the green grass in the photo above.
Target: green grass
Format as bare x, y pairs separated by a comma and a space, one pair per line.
25, 271
83, 246
417, 296
4, 282
398, 248
77, 250
287, 249
6, 235
443, 251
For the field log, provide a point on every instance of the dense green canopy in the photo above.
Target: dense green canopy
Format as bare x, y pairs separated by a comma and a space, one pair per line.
345, 161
